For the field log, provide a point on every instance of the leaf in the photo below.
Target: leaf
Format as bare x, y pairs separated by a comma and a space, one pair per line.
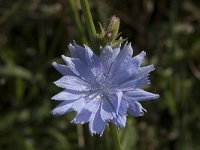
15, 71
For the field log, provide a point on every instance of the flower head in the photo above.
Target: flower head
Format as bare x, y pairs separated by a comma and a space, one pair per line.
102, 89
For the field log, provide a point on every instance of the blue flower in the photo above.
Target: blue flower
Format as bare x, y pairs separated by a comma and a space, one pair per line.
103, 89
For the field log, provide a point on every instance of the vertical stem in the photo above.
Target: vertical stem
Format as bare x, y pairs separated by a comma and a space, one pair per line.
81, 141
89, 23
75, 17
115, 136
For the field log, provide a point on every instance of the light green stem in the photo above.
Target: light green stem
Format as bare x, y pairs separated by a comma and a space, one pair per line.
115, 137
74, 11
89, 23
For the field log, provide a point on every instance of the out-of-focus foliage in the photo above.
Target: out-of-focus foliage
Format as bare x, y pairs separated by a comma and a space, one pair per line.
35, 32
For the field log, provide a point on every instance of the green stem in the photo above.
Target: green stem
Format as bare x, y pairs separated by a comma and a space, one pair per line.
74, 11
89, 23
115, 136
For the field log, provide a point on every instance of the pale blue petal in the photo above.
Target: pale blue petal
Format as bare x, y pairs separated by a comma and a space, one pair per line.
93, 61
141, 73
74, 52
144, 71
78, 51
123, 107
87, 109
79, 68
138, 59
79, 104
97, 124
133, 84
68, 95
120, 121
117, 100
106, 58
125, 52
125, 70
136, 109
92, 105
128, 67
72, 83
62, 108
108, 112
116, 51
140, 95
138, 80
86, 55
111, 105
64, 70
82, 117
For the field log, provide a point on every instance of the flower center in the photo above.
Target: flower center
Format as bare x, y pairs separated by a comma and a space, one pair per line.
101, 87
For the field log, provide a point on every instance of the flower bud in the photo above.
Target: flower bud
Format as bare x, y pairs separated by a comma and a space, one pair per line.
113, 27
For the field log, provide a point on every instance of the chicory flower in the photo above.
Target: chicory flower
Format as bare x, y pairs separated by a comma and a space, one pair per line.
103, 89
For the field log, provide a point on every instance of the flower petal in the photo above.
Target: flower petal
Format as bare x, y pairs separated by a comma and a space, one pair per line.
108, 112
133, 84
127, 51
137, 60
92, 105
111, 105
106, 58
64, 70
116, 51
118, 102
86, 55
128, 67
68, 95
120, 121
82, 117
138, 80
85, 111
72, 83
136, 109
62, 108
123, 107
144, 71
97, 124
79, 104
93, 61
139, 95
79, 68
74, 52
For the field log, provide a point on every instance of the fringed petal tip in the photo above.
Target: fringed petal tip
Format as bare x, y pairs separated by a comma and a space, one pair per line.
56, 83
56, 113
53, 98
64, 57
54, 64
96, 133
156, 96
77, 122
143, 54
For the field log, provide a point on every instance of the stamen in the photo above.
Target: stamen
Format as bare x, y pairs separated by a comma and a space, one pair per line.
101, 87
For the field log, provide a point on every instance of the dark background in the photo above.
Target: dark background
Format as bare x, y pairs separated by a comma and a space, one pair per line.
33, 33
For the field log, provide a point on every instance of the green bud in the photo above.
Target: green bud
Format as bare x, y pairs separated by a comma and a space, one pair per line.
113, 28
110, 34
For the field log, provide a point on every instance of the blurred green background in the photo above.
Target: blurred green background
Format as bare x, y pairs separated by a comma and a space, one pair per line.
33, 33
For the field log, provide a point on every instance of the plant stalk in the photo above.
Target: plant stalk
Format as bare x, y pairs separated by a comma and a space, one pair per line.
89, 23
115, 137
